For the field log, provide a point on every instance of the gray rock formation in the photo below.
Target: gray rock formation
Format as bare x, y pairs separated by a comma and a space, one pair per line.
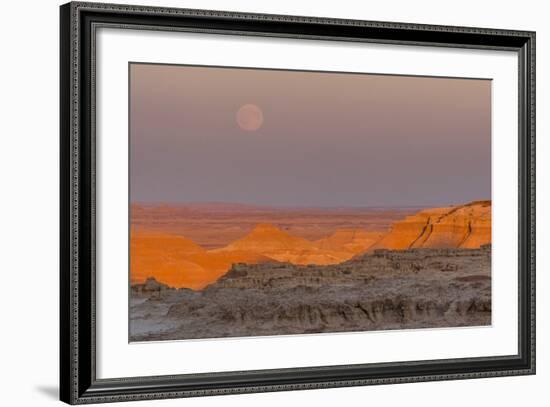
150, 288
416, 288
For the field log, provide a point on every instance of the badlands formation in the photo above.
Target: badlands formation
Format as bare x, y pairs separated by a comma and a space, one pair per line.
181, 263
431, 269
464, 226
406, 289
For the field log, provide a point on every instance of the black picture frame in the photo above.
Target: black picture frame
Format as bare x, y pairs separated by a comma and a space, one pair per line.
78, 381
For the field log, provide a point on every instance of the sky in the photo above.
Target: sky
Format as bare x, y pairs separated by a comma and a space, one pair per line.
307, 139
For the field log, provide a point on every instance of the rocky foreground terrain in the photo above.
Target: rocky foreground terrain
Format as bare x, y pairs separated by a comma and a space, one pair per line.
385, 289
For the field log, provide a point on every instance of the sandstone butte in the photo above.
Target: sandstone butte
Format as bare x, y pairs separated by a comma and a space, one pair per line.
272, 242
179, 262
462, 226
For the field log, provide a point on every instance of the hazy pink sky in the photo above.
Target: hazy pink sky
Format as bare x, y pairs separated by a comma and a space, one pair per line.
326, 139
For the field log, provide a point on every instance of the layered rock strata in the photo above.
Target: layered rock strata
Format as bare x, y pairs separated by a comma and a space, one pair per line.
415, 288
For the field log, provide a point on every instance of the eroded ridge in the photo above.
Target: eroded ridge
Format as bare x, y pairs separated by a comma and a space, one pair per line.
386, 289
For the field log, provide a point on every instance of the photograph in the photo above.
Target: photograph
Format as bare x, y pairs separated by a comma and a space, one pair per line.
267, 202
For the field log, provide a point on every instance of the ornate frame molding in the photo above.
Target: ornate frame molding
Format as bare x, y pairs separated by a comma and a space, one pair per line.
78, 380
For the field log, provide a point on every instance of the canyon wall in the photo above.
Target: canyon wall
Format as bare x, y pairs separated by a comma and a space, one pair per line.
461, 226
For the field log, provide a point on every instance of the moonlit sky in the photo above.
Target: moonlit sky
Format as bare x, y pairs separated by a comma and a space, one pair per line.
326, 139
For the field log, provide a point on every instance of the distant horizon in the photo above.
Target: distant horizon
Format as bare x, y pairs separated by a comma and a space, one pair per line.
247, 204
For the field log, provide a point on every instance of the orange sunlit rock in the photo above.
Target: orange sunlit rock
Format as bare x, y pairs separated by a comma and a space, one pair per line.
349, 240
461, 226
272, 242
164, 257
179, 262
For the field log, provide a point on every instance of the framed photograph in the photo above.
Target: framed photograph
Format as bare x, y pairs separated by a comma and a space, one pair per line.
255, 203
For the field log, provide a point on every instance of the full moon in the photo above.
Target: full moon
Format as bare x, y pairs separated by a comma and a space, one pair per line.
250, 117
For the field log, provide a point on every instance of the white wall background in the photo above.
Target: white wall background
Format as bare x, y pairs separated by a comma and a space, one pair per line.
29, 163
